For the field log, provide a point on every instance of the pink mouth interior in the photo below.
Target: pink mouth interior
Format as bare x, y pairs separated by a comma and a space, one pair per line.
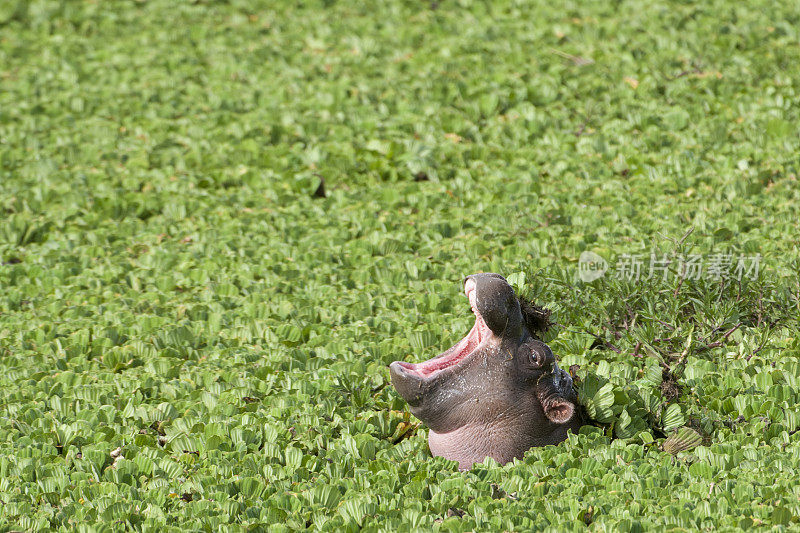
462, 349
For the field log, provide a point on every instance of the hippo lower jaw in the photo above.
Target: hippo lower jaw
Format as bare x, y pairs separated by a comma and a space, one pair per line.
410, 378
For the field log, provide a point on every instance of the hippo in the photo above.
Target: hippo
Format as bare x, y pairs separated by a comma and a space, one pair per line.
498, 391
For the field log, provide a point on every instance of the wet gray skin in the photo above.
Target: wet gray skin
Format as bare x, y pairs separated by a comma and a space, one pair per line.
495, 393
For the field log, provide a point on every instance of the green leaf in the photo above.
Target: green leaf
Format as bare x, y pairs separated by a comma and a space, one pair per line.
517, 281
681, 440
672, 417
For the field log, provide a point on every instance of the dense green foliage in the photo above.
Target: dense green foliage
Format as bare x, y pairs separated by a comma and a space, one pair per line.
191, 337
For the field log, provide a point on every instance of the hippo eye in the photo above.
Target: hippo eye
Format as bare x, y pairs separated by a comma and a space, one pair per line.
536, 358
535, 355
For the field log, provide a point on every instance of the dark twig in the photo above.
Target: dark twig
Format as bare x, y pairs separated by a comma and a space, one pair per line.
684, 353
670, 326
696, 69
717, 344
576, 60
604, 342
636, 349
597, 337
678, 288
679, 241
760, 347
713, 330
683, 73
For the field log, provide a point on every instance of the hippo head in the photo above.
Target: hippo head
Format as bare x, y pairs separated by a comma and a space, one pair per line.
495, 393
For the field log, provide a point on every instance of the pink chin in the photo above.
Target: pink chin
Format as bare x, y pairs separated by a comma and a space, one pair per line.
479, 332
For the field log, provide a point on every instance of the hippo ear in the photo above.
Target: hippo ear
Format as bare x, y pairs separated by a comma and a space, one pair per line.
558, 409
536, 318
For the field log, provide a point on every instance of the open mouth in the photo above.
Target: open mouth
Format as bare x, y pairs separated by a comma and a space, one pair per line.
466, 346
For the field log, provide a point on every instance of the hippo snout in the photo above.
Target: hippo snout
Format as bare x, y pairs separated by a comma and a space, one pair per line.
407, 383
